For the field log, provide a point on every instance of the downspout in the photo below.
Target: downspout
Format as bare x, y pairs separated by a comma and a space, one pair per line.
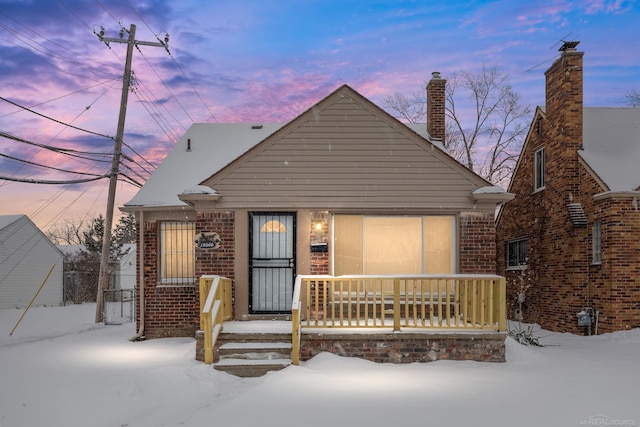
140, 335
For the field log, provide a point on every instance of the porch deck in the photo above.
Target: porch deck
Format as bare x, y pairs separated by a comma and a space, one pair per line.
382, 345
396, 319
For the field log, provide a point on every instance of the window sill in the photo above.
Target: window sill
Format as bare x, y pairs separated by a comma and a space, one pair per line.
517, 268
175, 284
596, 263
538, 190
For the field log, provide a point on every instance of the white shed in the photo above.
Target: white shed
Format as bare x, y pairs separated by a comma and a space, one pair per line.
26, 257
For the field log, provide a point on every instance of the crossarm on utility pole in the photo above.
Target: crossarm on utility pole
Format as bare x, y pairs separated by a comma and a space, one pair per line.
115, 164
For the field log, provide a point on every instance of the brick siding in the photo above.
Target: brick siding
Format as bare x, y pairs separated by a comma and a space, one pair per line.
477, 243
560, 278
173, 310
319, 263
170, 311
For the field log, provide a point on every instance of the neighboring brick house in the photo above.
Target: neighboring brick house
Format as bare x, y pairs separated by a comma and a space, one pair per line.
570, 240
344, 188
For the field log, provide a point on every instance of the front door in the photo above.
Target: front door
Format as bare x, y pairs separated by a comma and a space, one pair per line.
272, 261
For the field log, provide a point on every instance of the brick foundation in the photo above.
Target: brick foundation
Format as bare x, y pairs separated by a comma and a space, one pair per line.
406, 347
403, 347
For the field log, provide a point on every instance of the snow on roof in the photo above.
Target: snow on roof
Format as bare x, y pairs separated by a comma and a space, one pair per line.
611, 146
199, 189
490, 189
212, 146
421, 129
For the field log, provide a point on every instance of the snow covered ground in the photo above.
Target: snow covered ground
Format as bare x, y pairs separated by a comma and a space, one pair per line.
61, 369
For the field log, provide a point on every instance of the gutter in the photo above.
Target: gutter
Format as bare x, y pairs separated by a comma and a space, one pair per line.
617, 195
140, 335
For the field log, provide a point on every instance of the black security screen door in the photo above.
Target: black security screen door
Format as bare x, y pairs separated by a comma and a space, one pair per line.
272, 268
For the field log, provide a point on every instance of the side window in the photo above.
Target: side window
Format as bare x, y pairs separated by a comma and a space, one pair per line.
539, 160
177, 252
597, 243
517, 253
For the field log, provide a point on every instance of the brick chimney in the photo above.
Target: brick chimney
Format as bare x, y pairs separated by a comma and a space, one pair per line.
435, 106
564, 96
563, 130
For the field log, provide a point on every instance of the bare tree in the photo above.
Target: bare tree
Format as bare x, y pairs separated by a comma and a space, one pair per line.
633, 98
486, 122
67, 233
411, 109
83, 266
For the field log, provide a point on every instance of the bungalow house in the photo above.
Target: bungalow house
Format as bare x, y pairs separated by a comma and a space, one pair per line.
569, 242
342, 189
30, 265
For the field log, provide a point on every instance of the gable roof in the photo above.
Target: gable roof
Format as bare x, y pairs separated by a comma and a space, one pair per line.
538, 114
217, 149
346, 152
611, 146
7, 221
212, 146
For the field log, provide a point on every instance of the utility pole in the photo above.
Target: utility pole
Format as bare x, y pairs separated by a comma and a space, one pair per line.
117, 151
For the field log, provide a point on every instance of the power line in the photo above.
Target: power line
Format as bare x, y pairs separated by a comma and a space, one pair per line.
157, 116
139, 155
65, 151
52, 64
125, 157
129, 179
74, 14
64, 96
109, 13
193, 87
55, 43
52, 182
45, 166
45, 51
60, 132
55, 120
167, 87
124, 165
176, 63
69, 205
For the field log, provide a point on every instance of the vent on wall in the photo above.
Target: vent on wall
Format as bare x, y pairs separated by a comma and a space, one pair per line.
578, 218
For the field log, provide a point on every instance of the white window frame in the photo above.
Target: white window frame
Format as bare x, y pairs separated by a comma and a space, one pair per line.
184, 249
521, 261
596, 242
539, 169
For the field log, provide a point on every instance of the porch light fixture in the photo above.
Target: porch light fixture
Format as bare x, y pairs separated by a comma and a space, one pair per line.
317, 226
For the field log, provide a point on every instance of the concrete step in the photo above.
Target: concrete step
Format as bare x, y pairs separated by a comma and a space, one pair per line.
251, 368
255, 350
253, 359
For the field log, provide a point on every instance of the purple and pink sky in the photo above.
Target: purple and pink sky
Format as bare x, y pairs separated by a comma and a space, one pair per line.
256, 61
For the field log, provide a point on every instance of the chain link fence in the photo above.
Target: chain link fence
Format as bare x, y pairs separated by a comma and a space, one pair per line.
118, 306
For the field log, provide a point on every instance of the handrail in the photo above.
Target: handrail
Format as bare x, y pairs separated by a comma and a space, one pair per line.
296, 322
213, 310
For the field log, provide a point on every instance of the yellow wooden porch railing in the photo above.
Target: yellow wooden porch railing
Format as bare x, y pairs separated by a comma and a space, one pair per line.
461, 302
215, 307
